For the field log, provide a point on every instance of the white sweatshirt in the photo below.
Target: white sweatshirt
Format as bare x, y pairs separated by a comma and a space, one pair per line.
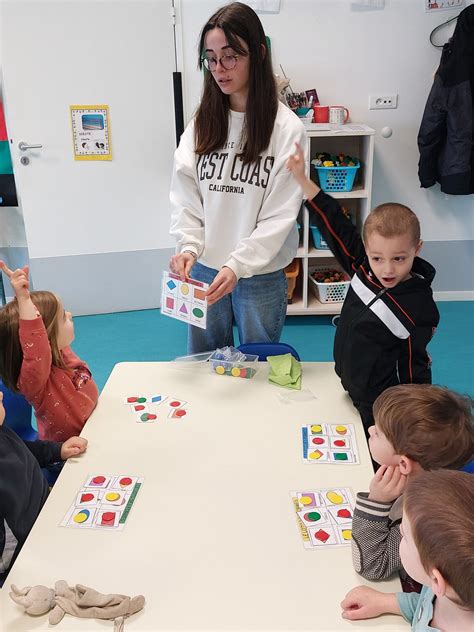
228, 214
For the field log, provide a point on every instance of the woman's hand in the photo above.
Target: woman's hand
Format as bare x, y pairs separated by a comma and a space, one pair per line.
72, 447
19, 280
181, 264
224, 282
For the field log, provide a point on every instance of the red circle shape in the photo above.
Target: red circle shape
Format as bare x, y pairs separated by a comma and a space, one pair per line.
340, 443
175, 404
125, 481
344, 513
318, 440
98, 480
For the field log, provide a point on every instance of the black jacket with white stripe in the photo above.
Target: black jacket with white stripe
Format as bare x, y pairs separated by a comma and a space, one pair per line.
381, 335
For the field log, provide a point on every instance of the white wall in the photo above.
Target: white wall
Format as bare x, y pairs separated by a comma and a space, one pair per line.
347, 53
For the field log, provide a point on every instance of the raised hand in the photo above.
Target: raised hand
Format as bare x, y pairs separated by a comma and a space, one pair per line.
19, 280
387, 484
295, 163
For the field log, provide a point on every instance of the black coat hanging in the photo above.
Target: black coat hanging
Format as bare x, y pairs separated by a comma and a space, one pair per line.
446, 136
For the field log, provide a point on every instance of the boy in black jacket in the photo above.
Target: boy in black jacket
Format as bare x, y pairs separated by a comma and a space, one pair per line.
389, 315
23, 488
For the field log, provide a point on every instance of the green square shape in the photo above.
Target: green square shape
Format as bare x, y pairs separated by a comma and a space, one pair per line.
6, 166
340, 456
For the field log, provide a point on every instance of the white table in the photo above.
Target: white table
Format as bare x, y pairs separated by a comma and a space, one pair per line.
212, 540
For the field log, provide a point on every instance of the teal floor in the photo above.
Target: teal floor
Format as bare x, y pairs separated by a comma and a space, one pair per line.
141, 336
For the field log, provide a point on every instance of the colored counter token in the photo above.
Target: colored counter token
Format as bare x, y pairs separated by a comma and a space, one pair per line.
317, 454
98, 480
344, 513
147, 417
175, 404
341, 430
312, 516
220, 369
125, 481
347, 534
317, 440
340, 443
108, 518
112, 496
340, 456
85, 498
322, 535
307, 500
179, 413
316, 429
81, 516
335, 498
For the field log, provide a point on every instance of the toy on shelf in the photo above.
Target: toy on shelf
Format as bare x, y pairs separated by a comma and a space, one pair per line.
335, 172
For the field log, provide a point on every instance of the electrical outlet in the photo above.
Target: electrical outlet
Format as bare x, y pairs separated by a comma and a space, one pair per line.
383, 102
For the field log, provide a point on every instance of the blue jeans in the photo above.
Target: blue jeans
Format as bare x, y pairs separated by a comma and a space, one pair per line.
257, 305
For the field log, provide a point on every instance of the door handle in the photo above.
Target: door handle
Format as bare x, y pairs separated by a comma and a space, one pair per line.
24, 146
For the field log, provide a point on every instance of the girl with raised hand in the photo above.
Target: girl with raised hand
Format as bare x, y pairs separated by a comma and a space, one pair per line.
37, 361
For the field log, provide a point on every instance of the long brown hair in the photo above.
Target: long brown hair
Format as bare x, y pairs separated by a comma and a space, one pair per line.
11, 354
238, 20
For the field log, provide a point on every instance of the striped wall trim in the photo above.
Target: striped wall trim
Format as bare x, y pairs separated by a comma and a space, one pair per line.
380, 309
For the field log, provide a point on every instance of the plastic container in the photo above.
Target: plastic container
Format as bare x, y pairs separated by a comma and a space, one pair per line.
245, 369
337, 178
328, 292
319, 242
291, 273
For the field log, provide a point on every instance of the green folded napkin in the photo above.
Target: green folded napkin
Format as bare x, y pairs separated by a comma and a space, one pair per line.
285, 371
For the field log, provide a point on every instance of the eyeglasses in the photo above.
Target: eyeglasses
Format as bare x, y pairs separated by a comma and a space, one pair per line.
227, 61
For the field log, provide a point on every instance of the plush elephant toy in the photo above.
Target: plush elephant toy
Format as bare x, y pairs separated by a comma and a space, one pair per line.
79, 601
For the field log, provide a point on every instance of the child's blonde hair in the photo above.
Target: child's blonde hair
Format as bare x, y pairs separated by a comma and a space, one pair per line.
429, 424
439, 506
392, 220
11, 354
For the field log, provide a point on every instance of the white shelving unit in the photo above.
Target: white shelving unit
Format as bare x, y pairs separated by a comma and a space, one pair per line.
356, 140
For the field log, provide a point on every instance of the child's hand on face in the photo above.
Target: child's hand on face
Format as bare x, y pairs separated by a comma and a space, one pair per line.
72, 447
363, 602
18, 279
387, 484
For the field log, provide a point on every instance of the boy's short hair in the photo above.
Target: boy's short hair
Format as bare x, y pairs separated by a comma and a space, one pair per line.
429, 424
439, 506
391, 220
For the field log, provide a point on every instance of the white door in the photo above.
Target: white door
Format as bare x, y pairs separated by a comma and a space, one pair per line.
97, 231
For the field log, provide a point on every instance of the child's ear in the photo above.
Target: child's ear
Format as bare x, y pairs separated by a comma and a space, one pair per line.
406, 465
437, 583
419, 247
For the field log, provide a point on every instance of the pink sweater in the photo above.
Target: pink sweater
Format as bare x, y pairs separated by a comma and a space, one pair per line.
63, 399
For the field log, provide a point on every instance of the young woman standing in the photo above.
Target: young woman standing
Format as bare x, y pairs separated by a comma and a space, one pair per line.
234, 202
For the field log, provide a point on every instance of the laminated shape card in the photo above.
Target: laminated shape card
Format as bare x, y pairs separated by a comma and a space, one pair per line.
184, 300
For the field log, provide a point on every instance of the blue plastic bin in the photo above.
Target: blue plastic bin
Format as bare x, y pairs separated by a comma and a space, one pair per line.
337, 178
318, 240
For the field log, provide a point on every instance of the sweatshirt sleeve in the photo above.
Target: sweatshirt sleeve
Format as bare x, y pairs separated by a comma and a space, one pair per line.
37, 359
277, 215
338, 231
187, 218
45, 452
375, 539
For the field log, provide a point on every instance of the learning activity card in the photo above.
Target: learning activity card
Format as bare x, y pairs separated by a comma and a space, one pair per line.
150, 408
324, 516
329, 443
103, 502
184, 300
